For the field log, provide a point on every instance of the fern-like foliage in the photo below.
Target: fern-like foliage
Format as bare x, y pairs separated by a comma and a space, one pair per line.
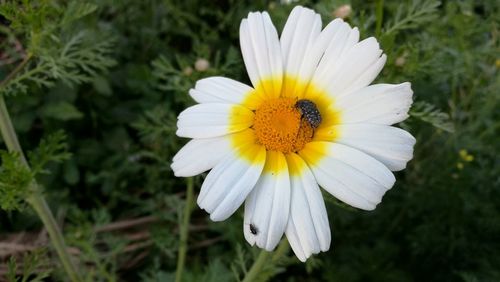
52, 55
408, 16
274, 264
77, 10
413, 15
167, 76
156, 124
77, 61
430, 114
35, 267
51, 149
15, 179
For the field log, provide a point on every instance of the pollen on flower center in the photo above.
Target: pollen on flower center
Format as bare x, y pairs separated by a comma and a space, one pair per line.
279, 126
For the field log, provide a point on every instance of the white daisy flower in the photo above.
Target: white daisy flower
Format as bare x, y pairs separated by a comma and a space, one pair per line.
310, 120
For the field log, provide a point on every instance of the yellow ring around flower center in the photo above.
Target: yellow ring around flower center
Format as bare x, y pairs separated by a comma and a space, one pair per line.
279, 126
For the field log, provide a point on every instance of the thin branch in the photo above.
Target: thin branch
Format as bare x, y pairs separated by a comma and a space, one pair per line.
13, 73
206, 243
125, 224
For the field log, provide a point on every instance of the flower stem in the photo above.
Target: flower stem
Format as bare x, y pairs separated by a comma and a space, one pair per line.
184, 228
36, 199
257, 266
8, 132
379, 17
263, 260
282, 250
39, 204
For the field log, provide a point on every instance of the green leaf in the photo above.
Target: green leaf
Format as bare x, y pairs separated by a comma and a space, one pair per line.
11, 270
35, 267
410, 16
102, 86
71, 173
72, 60
77, 10
428, 113
15, 179
51, 149
61, 111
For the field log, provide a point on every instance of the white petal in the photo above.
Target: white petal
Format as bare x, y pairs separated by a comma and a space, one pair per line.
294, 241
341, 38
300, 53
230, 181
200, 155
261, 51
335, 30
212, 120
220, 90
378, 103
356, 63
308, 230
368, 76
390, 145
268, 205
348, 174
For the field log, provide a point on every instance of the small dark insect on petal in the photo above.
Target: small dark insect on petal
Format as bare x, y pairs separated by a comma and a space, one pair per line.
309, 112
253, 229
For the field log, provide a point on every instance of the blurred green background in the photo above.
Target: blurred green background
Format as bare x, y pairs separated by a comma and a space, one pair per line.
105, 79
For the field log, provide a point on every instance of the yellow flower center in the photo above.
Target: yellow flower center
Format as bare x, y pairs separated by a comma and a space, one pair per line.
279, 126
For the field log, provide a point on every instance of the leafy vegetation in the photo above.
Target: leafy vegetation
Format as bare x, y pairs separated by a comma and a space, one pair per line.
94, 88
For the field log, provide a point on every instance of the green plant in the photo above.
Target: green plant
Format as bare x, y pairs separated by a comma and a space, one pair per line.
93, 89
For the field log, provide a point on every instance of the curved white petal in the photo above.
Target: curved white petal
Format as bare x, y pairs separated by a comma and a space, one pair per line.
294, 241
219, 90
308, 230
351, 70
267, 207
230, 181
367, 76
200, 155
340, 38
379, 103
348, 174
391, 146
261, 51
212, 120
328, 39
298, 44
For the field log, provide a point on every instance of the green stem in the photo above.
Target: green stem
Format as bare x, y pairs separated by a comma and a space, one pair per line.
257, 266
8, 132
263, 260
37, 200
379, 15
184, 229
282, 250
39, 204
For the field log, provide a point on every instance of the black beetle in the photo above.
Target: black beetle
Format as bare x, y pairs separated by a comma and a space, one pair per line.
253, 229
309, 112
